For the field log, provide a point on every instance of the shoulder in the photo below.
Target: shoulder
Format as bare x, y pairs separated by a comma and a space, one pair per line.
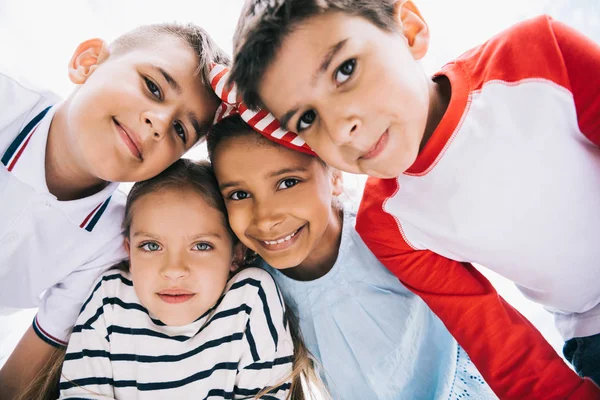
21, 98
252, 277
525, 51
112, 283
254, 285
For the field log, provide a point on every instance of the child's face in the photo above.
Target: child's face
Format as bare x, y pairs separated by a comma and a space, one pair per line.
279, 201
180, 255
140, 111
354, 92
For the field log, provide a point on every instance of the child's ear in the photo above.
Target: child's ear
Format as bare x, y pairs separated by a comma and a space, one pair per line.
337, 182
238, 257
126, 245
86, 59
413, 26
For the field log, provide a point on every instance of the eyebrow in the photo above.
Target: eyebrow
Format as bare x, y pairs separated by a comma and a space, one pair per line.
142, 233
170, 80
193, 237
333, 50
273, 174
284, 171
204, 235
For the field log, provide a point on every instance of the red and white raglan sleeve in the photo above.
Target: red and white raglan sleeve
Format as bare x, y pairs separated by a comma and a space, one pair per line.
581, 57
513, 357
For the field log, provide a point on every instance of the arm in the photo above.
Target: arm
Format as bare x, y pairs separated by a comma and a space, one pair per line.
513, 357
268, 348
57, 313
24, 364
581, 57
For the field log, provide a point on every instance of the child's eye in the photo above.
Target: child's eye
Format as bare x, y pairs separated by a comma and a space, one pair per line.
306, 120
180, 131
153, 88
345, 71
202, 247
239, 195
288, 183
150, 246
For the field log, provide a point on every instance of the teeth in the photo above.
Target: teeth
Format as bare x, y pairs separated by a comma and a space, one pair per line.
285, 239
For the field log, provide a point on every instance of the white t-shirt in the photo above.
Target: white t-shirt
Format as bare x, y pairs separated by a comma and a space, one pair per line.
51, 251
237, 348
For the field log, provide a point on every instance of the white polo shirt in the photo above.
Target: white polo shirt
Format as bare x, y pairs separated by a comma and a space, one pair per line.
51, 251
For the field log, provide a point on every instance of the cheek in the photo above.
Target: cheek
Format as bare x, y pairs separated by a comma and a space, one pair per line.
239, 219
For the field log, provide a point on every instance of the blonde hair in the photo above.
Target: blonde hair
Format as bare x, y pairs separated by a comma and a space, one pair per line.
44, 385
303, 376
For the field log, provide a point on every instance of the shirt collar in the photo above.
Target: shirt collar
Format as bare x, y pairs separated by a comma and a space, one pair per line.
26, 159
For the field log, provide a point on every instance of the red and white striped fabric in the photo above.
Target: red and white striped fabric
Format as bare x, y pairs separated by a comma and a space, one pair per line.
261, 121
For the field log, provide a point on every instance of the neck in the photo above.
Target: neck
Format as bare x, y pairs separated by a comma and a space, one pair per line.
323, 257
65, 176
440, 92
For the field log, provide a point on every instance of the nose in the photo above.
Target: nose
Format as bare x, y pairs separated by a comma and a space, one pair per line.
343, 129
158, 121
175, 269
266, 216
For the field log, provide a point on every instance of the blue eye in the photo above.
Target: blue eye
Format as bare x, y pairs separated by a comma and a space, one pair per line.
203, 246
180, 131
150, 246
345, 71
239, 195
288, 183
306, 120
153, 88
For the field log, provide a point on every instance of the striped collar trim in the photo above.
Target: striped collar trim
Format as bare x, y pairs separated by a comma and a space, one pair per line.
92, 218
25, 157
16, 148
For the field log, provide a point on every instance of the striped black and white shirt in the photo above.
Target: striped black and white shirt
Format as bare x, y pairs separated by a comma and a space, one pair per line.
236, 349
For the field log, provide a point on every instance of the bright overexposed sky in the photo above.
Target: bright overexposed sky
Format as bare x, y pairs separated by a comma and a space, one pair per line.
38, 38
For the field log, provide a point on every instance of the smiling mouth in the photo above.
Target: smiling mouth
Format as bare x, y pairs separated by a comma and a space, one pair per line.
282, 243
128, 140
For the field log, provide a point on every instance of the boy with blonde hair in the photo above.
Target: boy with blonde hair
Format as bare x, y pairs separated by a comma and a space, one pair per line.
139, 105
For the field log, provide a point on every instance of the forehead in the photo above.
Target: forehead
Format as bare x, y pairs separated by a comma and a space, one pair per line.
170, 53
305, 49
254, 157
180, 207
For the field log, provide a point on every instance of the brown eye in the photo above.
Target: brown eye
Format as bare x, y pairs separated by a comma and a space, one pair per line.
306, 120
345, 71
180, 131
153, 88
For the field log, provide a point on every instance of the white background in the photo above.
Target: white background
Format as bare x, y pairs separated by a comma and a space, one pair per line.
38, 38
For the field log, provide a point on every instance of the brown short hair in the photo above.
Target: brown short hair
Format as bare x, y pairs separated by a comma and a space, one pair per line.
264, 24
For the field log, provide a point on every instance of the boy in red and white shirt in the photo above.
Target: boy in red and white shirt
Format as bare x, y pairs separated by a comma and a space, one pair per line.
139, 105
494, 160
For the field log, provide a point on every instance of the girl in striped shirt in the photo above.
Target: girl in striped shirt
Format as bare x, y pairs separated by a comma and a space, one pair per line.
178, 320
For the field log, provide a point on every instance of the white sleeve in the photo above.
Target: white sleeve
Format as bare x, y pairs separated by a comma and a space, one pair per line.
61, 304
87, 370
269, 349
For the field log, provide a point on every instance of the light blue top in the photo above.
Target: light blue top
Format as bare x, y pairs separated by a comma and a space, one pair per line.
374, 338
